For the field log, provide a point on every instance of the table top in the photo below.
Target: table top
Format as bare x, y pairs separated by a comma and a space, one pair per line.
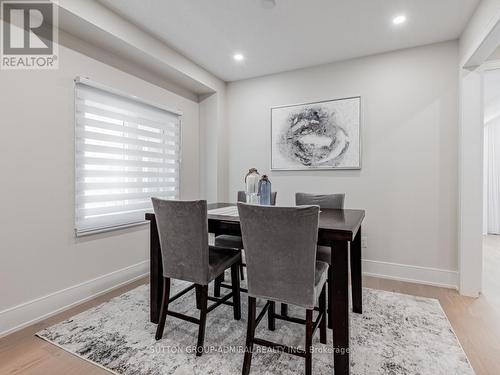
341, 224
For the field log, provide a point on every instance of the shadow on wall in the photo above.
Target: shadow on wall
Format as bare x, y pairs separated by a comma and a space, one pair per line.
318, 173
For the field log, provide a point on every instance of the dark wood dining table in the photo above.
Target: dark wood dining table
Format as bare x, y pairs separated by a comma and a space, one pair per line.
338, 229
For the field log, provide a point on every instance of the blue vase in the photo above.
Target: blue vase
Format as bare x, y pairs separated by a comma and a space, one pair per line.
265, 191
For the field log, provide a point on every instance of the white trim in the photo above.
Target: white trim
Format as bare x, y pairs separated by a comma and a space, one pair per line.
471, 142
490, 65
470, 207
412, 274
28, 313
467, 61
100, 86
88, 232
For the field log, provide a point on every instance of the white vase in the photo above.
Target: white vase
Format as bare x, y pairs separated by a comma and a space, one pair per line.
252, 186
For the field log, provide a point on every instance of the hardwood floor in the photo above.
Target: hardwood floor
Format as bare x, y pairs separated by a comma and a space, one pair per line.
23, 353
476, 322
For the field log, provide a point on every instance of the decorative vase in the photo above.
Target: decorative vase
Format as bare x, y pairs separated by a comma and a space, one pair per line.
252, 186
265, 191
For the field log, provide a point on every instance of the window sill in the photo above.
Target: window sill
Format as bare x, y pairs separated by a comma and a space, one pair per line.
90, 232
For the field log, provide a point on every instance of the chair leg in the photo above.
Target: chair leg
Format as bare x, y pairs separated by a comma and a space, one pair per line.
164, 308
252, 307
242, 273
308, 346
203, 319
198, 296
284, 309
322, 310
218, 280
271, 320
330, 297
235, 283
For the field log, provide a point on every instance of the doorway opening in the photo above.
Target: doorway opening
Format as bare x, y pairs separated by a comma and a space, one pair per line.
491, 179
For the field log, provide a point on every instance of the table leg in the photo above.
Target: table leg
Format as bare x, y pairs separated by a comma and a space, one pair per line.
156, 273
356, 274
340, 307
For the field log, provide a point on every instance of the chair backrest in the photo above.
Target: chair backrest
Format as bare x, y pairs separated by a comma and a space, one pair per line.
243, 198
280, 248
183, 231
321, 200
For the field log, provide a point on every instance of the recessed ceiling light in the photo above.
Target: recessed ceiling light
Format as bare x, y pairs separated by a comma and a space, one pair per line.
268, 4
238, 57
398, 20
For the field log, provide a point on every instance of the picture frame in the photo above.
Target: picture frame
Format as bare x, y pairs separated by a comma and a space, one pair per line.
321, 135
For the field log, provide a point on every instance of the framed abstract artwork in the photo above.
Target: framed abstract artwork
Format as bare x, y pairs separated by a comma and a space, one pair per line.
319, 135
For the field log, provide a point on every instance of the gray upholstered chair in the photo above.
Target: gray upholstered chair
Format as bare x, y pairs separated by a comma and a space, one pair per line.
280, 245
242, 197
186, 255
334, 201
234, 242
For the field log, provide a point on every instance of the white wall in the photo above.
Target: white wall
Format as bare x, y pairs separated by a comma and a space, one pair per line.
39, 256
408, 182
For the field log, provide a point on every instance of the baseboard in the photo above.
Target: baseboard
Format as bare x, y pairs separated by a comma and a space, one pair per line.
412, 274
25, 314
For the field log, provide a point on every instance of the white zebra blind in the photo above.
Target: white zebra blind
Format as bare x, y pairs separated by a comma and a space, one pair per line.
126, 152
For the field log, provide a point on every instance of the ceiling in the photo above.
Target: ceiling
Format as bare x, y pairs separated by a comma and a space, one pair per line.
295, 33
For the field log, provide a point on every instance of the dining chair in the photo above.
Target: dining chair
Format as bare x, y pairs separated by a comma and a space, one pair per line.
234, 242
186, 255
334, 201
280, 245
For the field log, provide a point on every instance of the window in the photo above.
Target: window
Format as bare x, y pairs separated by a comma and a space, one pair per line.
126, 151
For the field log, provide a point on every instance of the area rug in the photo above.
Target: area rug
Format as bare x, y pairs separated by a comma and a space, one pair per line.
396, 334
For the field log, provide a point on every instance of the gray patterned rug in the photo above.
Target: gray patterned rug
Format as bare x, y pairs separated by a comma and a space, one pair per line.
397, 334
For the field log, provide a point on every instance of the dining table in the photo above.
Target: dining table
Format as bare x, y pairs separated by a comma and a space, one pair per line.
339, 229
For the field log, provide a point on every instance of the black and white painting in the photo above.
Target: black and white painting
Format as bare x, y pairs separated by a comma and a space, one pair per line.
321, 135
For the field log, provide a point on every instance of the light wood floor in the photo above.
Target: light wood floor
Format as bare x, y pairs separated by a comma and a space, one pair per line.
475, 321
